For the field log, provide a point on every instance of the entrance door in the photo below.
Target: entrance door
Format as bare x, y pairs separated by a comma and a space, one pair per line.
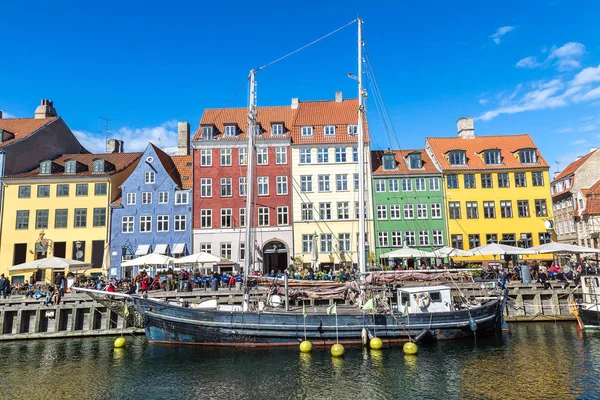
275, 257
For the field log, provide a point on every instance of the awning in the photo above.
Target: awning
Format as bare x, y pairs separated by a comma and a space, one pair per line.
142, 250
178, 248
273, 251
161, 248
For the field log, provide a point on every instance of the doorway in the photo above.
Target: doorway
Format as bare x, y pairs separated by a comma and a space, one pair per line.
275, 256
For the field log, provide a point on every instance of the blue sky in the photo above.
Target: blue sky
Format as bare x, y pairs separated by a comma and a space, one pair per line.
518, 67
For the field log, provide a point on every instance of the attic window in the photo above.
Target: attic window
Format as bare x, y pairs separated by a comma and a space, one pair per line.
307, 131
185, 177
389, 164
230, 130
492, 157
45, 167
352, 130
98, 166
257, 130
457, 157
188, 164
207, 133
277, 129
329, 130
527, 156
6, 135
70, 167
415, 161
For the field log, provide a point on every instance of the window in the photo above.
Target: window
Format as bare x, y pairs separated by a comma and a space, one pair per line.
182, 197
207, 133
99, 217
229, 131
356, 182
509, 239
263, 216
422, 211
560, 228
326, 243
324, 183
146, 197
206, 218
282, 215
226, 250
537, 178
486, 181
242, 186
527, 156
80, 218
489, 209
206, 187
81, 189
340, 154
380, 185
457, 157
355, 154
409, 211
352, 130
98, 166
393, 185
206, 157
71, 167
572, 226
61, 218
396, 239
492, 157
100, 189
277, 129
263, 185
452, 181
406, 184
131, 199
545, 237
24, 192
127, 224
470, 181
149, 177
570, 202
282, 185
307, 212
394, 211
389, 163
325, 211
423, 238
520, 180
420, 184
280, 155
146, 223
474, 241
409, 238
343, 210
344, 242
163, 197
307, 131
307, 241
242, 217
206, 248
436, 210
226, 187
226, 217
434, 184
454, 209
180, 222
523, 208
225, 157
242, 156
22, 219
257, 130
322, 155
382, 239
381, 212
438, 238
62, 190
472, 210
305, 156
491, 238
46, 167
506, 209
41, 219
262, 156
357, 210
306, 183
341, 182
526, 240
457, 241
503, 181
329, 130
415, 161
540, 208
43, 191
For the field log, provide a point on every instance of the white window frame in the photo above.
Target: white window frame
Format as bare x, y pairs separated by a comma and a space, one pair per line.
420, 184
128, 224
436, 210
225, 157
149, 177
306, 131
242, 156
163, 197
282, 185
305, 156
341, 155
438, 237
397, 238
407, 184
227, 214
226, 187
382, 212
329, 130
352, 130
182, 197
393, 185
434, 184
206, 218
230, 130
242, 188
131, 198
263, 216
383, 239
395, 212
263, 185
409, 211
423, 238
179, 222
262, 156
324, 183
146, 197
322, 155
422, 211
145, 220
277, 129
283, 216
205, 187
380, 185
206, 157
161, 220
281, 155
341, 182
306, 183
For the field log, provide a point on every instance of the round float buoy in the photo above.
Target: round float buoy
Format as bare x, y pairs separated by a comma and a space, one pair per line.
410, 348
305, 346
337, 350
119, 343
376, 343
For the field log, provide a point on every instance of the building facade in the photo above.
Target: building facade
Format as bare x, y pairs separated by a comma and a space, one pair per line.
60, 208
496, 189
154, 212
587, 215
408, 202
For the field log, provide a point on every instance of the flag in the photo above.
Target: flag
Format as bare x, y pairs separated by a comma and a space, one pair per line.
368, 305
304, 310
332, 309
405, 313
126, 312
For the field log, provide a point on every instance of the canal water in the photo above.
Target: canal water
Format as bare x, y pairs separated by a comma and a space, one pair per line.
533, 361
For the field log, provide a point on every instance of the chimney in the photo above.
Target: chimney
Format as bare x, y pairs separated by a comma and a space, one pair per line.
466, 127
338, 97
294, 103
45, 110
115, 146
592, 149
183, 139
0, 114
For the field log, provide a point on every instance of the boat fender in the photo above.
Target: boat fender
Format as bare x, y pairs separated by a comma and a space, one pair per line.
473, 324
421, 335
365, 336
423, 300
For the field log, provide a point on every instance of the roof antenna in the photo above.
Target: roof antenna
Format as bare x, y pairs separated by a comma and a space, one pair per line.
106, 119
557, 166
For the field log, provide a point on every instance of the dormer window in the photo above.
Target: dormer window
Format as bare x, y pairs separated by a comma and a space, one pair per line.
6, 135
352, 130
277, 129
257, 130
528, 156
207, 133
415, 161
98, 166
492, 157
307, 131
329, 130
45, 167
389, 163
230, 130
71, 167
457, 157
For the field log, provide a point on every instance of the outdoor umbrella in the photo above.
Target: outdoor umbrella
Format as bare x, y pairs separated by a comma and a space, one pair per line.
554, 247
448, 251
408, 252
197, 258
50, 263
148, 259
497, 249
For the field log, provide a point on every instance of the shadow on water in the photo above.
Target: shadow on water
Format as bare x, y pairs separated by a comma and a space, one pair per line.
542, 360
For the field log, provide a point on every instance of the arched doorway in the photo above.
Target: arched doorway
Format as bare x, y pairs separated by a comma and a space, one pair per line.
275, 256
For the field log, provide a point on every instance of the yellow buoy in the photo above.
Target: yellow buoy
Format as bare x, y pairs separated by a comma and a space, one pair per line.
305, 347
376, 343
119, 342
410, 348
337, 350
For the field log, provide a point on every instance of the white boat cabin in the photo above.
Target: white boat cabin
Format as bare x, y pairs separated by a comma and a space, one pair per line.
425, 299
590, 288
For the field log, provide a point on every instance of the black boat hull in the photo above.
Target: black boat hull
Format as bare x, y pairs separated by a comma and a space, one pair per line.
590, 316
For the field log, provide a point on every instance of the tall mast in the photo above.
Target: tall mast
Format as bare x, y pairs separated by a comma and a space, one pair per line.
249, 241
362, 262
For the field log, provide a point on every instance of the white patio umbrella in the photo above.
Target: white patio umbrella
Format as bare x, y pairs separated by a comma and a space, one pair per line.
149, 259
554, 247
448, 251
497, 249
50, 263
197, 258
408, 252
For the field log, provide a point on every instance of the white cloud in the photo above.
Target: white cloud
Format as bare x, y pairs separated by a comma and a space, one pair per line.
564, 58
564, 130
528, 62
587, 75
7, 115
483, 101
135, 139
579, 142
501, 32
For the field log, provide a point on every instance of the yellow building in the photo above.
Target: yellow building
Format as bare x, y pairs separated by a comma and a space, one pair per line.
61, 208
497, 189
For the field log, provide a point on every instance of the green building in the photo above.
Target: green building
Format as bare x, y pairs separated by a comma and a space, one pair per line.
407, 203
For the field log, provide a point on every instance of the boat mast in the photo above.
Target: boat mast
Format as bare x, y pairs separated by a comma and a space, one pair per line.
249, 241
362, 256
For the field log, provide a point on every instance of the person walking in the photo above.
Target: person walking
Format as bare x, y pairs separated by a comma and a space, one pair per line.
4, 286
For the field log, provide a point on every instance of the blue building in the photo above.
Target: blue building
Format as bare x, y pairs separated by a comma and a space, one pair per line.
154, 212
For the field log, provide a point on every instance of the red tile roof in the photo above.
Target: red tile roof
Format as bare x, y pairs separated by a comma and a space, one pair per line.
184, 167
401, 160
571, 168
22, 127
509, 145
592, 202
